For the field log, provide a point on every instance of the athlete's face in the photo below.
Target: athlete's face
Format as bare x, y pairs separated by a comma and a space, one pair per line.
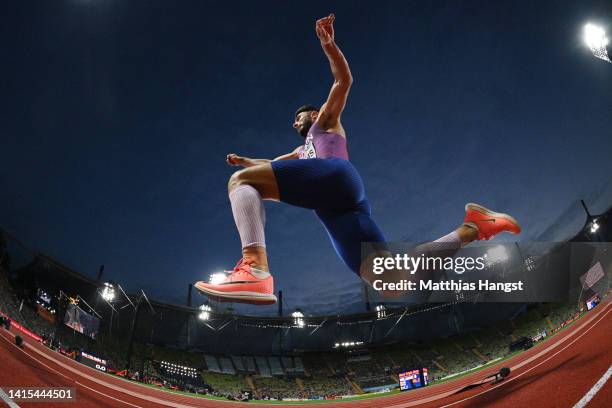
303, 122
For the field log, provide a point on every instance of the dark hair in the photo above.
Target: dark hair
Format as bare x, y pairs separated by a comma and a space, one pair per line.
306, 108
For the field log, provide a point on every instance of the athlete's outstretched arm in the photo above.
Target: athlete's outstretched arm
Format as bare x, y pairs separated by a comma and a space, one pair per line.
329, 115
235, 160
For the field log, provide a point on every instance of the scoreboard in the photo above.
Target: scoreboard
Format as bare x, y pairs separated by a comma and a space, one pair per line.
92, 361
416, 378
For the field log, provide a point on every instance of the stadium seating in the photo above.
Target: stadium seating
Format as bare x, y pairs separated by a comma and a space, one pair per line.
250, 364
224, 384
262, 365
277, 388
212, 364
275, 366
226, 365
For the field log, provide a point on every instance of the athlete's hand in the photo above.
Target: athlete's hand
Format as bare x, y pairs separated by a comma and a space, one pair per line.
235, 160
325, 29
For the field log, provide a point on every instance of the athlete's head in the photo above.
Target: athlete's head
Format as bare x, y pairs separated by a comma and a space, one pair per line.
305, 116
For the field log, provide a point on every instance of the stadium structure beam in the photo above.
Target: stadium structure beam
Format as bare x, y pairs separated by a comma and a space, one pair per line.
134, 323
60, 318
318, 327
90, 308
100, 273
586, 210
126, 296
366, 297
396, 323
128, 357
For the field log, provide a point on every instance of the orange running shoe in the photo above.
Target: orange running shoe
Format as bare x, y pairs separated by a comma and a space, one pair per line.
489, 223
244, 284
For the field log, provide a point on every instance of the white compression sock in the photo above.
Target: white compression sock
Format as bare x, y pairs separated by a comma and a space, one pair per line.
449, 242
249, 215
453, 240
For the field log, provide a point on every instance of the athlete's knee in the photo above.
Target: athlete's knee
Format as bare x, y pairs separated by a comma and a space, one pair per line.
256, 177
242, 177
235, 180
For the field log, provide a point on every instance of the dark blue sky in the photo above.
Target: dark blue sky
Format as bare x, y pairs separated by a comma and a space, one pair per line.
116, 118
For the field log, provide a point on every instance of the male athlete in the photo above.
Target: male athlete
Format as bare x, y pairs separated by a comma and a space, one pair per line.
318, 175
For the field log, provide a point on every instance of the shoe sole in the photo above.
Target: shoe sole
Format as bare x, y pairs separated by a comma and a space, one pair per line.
490, 213
239, 296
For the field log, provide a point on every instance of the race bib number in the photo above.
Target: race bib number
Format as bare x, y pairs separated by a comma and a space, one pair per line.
309, 151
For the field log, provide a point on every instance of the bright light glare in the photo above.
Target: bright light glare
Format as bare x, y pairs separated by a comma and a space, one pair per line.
595, 37
108, 293
497, 254
298, 318
204, 312
217, 278
381, 312
348, 344
594, 226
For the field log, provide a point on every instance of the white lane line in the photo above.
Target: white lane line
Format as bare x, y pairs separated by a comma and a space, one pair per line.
599, 318
54, 370
589, 395
32, 357
101, 382
107, 396
7, 399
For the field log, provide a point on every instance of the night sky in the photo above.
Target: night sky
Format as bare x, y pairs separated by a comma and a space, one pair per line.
116, 117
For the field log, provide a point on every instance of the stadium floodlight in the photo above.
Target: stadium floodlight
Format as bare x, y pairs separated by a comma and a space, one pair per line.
204, 312
298, 318
594, 226
347, 344
381, 312
217, 278
595, 39
108, 292
497, 254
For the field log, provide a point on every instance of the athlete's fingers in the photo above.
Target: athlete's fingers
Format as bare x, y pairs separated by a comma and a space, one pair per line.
320, 31
326, 24
323, 35
232, 159
322, 21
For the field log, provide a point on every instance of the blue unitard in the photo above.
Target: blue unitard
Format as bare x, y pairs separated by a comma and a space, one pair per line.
323, 180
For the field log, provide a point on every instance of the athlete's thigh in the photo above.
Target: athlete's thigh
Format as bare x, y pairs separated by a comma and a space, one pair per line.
261, 177
330, 184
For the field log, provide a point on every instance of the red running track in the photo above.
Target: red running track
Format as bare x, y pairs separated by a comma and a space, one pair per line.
556, 373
